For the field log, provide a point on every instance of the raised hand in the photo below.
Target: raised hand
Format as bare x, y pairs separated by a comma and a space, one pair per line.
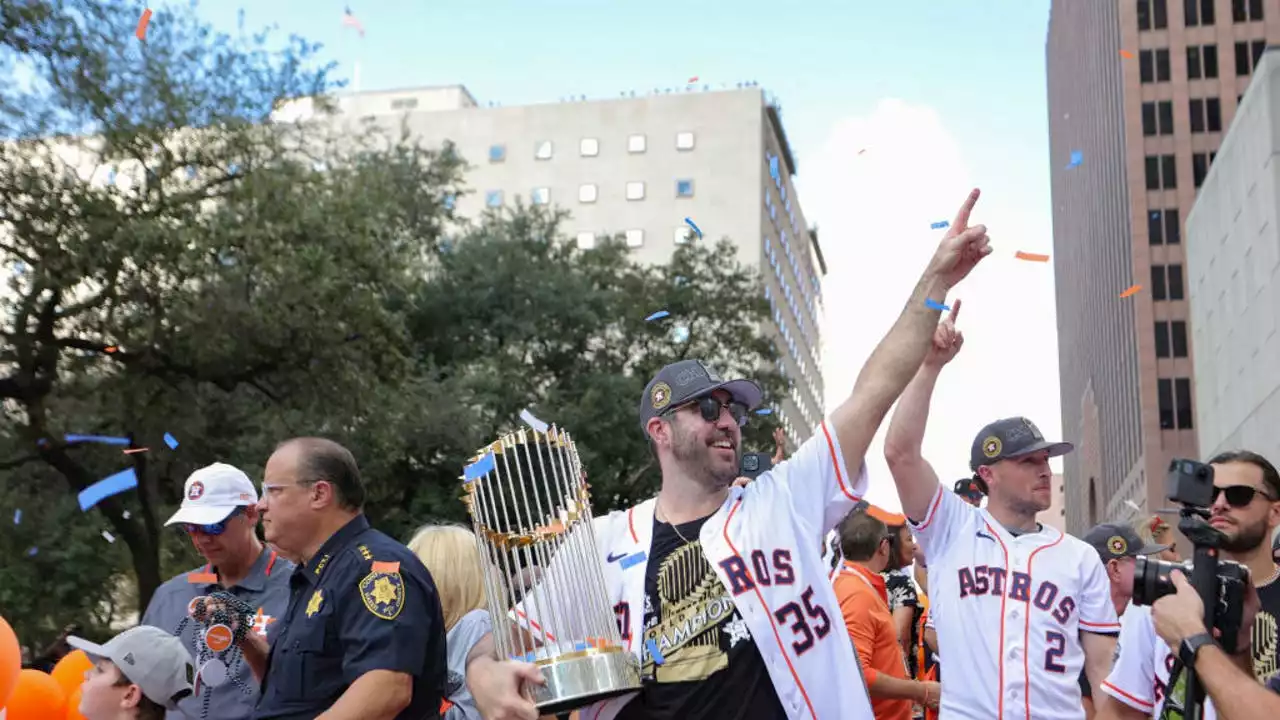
779, 446
947, 340
962, 248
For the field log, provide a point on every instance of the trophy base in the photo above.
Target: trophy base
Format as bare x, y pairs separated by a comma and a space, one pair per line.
582, 678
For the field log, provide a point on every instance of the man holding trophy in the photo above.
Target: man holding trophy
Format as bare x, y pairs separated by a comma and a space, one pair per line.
720, 591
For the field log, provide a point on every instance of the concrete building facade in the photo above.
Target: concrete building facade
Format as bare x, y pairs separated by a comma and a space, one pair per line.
1141, 92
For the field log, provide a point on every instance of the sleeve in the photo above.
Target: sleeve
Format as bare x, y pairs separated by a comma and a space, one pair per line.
1132, 679
820, 488
386, 621
942, 523
1097, 611
857, 622
902, 592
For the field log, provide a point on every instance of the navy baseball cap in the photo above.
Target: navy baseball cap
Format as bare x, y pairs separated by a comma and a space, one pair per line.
1010, 438
687, 380
971, 488
1114, 541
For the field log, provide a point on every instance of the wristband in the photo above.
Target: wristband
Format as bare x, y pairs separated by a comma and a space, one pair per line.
1191, 646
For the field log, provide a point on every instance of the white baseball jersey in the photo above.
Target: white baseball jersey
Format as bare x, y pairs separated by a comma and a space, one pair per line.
1009, 612
764, 544
1140, 676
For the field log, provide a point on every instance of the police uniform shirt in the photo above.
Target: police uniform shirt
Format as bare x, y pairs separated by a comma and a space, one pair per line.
364, 602
266, 588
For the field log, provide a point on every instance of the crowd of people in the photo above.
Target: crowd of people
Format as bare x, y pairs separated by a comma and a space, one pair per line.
962, 606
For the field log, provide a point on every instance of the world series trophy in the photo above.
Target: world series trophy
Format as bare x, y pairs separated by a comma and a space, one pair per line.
532, 517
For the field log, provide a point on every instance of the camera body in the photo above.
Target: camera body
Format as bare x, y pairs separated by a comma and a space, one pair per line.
754, 464
1152, 580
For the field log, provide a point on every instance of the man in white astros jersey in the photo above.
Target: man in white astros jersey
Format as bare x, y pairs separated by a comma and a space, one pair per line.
1021, 607
720, 591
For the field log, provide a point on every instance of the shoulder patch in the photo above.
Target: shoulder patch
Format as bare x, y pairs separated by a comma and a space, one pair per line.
383, 594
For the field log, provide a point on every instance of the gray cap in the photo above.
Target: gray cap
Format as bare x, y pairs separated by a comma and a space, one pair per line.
680, 382
1010, 438
150, 658
1114, 541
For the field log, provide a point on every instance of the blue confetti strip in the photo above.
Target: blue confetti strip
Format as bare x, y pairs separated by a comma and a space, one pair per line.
633, 559
935, 305
104, 439
106, 487
1077, 157
939, 225
32, 552
479, 468
581, 646
657, 316
654, 652
17, 516
765, 411
695, 227
171, 441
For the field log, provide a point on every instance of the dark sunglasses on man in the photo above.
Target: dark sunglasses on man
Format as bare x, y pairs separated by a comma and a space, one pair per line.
1239, 496
711, 409
214, 528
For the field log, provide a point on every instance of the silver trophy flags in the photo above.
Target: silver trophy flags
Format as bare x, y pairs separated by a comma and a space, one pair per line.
544, 581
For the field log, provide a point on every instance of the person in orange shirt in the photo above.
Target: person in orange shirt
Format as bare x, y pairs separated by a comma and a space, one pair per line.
864, 602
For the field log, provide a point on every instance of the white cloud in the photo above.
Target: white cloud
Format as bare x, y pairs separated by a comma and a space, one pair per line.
874, 210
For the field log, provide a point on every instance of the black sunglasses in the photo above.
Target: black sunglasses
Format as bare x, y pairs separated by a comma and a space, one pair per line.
711, 409
1239, 496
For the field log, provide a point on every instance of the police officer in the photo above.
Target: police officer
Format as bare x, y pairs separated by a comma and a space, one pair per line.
219, 511
363, 635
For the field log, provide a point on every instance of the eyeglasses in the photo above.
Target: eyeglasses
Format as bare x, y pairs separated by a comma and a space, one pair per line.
1239, 496
711, 408
214, 528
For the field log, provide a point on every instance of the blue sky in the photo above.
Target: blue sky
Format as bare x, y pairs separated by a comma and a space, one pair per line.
942, 96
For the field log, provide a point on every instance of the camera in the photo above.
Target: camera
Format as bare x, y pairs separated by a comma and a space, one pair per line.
755, 464
1152, 580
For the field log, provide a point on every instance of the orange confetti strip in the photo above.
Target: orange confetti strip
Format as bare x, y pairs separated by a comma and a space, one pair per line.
1131, 291
386, 567
131, 451
110, 349
693, 79
202, 578
141, 32
1126, 54
1031, 257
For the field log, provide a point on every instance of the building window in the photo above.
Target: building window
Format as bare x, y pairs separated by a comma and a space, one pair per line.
1182, 394
635, 238
543, 150
1206, 115
586, 240
404, 103
1178, 333
540, 196
1164, 397
1163, 228
1161, 172
1159, 289
1175, 282
587, 193
683, 234
493, 198
636, 144
1153, 65
1246, 10
684, 188
1202, 62
589, 147
684, 141
497, 153
1157, 118
635, 191
1162, 338
1199, 168
1198, 12
1152, 15
1246, 61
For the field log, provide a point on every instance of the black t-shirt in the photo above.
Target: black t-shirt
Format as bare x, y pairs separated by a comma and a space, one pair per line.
1266, 632
711, 666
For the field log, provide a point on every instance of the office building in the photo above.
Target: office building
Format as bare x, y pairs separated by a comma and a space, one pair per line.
1233, 279
1139, 95
637, 167
1056, 515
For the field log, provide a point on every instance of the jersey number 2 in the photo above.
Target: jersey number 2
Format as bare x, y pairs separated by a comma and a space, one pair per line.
1057, 643
801, 626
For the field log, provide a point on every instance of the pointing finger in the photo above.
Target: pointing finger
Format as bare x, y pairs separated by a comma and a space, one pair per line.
962, 217
955, 311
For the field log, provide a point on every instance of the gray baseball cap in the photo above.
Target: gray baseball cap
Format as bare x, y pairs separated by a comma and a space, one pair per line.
1010, 438
680, 382
1114, 541
150, 658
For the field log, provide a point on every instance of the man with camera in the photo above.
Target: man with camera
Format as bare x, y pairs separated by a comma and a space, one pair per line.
1244, 508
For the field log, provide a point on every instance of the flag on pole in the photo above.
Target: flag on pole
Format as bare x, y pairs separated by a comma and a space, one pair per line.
349, 20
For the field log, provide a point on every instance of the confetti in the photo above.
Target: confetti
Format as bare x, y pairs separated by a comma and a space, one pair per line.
695, 227
1131, 291
479, 468
141, 32
939, 225
1126, 54
202, 578
108, 536
764, 411
657, 316
130, 451
171, 441
654, 652
632, 560
17, 516
32, 551
1077, 157
935, 305
1031, 257
110, 349
106, 487
532, 421
1133, 505
104, 439
693, 79
125, 514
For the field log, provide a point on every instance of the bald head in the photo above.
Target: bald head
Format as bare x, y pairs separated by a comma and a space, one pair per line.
320, 459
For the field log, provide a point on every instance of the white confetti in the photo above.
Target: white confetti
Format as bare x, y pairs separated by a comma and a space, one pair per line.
126, 514
108, 536
532, 421
1133, 505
